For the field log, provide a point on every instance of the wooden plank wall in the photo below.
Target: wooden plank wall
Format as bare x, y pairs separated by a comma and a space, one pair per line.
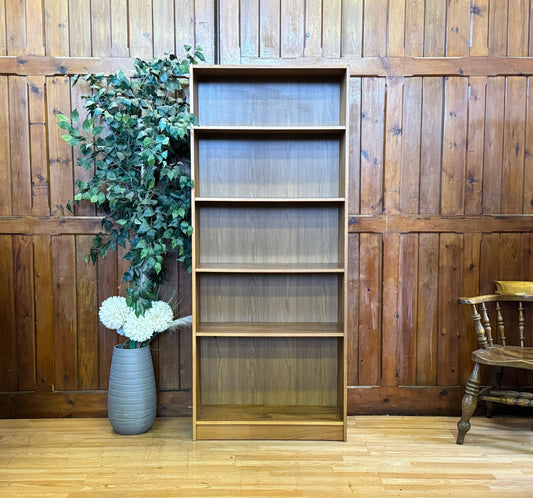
441, 183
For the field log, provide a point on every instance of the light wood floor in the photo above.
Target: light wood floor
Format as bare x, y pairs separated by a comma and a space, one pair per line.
384, 456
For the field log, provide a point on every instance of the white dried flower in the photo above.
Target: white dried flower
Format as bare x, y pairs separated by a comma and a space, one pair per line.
160, 315
138, 328
114, 312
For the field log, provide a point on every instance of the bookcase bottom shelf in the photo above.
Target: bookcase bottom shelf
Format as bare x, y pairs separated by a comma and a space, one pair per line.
269, 422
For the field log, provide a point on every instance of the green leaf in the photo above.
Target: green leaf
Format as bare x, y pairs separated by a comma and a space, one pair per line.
74, 116
88, 125
62, 118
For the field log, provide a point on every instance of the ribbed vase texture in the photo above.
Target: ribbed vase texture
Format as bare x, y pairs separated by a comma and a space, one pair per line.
131, 400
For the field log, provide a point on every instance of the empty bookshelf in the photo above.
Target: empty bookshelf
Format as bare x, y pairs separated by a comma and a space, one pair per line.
269, 162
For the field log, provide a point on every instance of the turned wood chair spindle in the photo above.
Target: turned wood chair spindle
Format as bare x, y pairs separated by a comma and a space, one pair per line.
498, 352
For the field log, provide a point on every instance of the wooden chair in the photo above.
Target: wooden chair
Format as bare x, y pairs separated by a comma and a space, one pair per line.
505, 313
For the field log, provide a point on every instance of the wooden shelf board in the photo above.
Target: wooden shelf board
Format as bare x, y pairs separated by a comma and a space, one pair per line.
261, 414
268, 268
274, 329
251, 129
266, 200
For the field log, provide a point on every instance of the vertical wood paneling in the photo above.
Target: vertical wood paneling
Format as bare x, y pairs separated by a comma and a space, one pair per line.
435, 28
84, 208
375, 28
269, 26
38, 146
19, 145
454, 146
393, 145
24, 312
518, 28
15, 18
407, 310
489, 270
292, 28
3, 37
414, 26
354, 168
480, 27
471, 268
450, 266
249, 22
372, 118
107, 287
79, 11
431, 144
427, 309
8, 351
119, 28
331, 27
184, 23
397, 28
352, 327
163, 18
474, 157
411, 133
498, 27
44, 311
513, 149
100, 27
35, 34
65, 331
140, 26
352, 27
229, 32
60, 154
204, 27
391, 310
5, 152
528, 152
417, 145
165, 348
369, 310
494, 119
56, 27
458, 29
87, 319
185, 337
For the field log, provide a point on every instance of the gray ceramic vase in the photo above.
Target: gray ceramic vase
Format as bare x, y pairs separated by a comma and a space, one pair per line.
131, 399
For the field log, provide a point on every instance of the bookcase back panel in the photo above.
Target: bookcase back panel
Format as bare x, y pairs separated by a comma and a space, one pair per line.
267, 235
268, 371
268, 298
294, 166
313, 102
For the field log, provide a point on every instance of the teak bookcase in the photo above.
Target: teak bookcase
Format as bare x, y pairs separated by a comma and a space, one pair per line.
269, 162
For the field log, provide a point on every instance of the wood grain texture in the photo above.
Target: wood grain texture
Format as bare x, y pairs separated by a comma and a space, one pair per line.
474, 55
513, 149
292, 29
6, 205
65, 335
372, 119
383, 456
80, 36
19, 145
44, 312
140, 28
375, 32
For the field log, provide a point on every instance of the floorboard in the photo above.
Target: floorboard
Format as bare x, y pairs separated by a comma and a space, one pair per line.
384, 456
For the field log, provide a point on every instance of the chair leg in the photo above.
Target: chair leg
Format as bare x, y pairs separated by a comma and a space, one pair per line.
469, 403
495, 383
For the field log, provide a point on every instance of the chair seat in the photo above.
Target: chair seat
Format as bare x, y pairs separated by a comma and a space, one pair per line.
505, 356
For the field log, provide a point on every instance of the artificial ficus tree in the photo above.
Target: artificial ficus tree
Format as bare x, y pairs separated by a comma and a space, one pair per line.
135, 138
